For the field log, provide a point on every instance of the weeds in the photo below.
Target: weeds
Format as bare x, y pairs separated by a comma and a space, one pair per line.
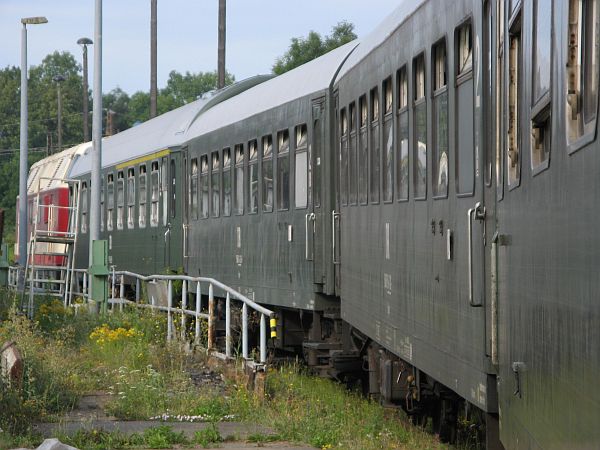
208, 436
125, 354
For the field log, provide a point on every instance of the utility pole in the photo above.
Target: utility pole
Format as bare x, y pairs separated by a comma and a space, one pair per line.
153, 82
96, 132
58, 79
222, 35
24, 147
84, 42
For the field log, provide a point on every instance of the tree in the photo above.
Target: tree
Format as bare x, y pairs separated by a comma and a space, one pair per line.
182, 89
42, 119
303, 50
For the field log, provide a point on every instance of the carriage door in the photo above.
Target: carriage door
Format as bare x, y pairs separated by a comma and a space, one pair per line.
471, 211
173, 201
316, 219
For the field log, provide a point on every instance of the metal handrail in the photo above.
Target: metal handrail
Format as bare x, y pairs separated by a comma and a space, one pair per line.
233, 292
210, 317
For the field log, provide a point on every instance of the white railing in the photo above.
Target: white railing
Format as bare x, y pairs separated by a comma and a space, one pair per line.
119, 277
117, 297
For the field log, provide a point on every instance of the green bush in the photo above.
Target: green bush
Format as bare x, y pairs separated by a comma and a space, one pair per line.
207, 436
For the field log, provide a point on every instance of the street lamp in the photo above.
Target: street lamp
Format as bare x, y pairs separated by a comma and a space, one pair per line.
58, 79
24, 145
84, 42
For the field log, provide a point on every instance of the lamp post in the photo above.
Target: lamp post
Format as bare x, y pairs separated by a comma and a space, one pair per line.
58, 79
84, 42
153, 83
24, 144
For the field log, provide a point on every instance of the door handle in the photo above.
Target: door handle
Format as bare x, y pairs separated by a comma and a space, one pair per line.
335, 217
185, 240
478, 212
168, 232
308, 217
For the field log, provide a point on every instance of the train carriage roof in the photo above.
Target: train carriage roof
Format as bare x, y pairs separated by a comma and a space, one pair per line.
49, 172
380, 34
162, 132
311, 77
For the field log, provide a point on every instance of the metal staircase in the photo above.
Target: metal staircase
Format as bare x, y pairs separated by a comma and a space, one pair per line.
51, 255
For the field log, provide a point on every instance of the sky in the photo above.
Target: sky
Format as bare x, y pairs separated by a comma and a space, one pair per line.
258, 31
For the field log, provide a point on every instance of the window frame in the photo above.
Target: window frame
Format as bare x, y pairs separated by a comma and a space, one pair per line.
239, 168
84, 208
154, 170
299, 150
437, 92
264, 160
374, 125
121, 205
226, 170
215, 210
279, 185
131, 203
193, 193
387, 119
515, 27
352, 154
363, 140
403, 101
142, 199
253, 163
204, 177
416, 102
589, 128
461, 77
343, 156
110, 201
541, 108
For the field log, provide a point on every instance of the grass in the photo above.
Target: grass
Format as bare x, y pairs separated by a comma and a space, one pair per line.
125, 354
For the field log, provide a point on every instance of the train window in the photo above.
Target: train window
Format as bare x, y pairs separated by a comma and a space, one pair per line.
283, 170
487, 64
215, 179
252, 177
110, 201
227, 182
353, 164
143, 197
301, 163
130, 198
194, 189
388, 140
363, 152
375, 161
239, 179
154, 175
84, 207
402, 142
499, 100
120, 200
267, 173
344, 178
541, 106
582, 70
464, 168
542, 49
164, 191
102, 195
173, 189
204, 186
420, 144
465, 49
513, 127
440, 120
